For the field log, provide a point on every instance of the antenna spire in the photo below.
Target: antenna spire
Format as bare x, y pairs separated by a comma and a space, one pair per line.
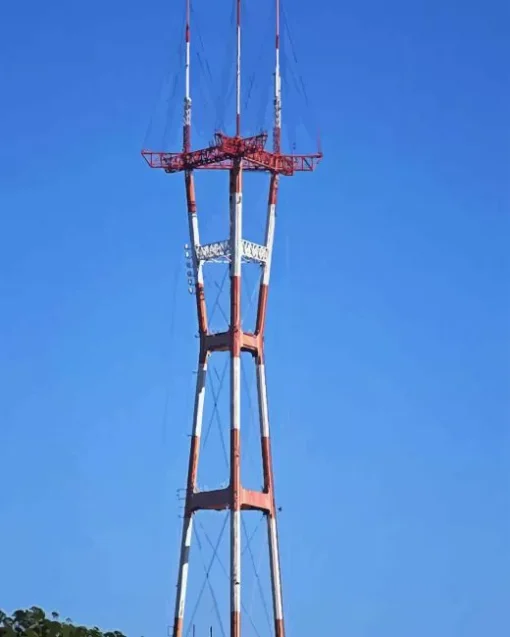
277, 127
238, 70
186, 135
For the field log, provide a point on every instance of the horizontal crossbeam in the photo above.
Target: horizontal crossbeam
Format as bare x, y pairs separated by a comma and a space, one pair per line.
221, 342
220, 499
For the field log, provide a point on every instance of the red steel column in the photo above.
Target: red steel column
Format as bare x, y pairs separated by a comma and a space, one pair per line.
264, 417
235, 397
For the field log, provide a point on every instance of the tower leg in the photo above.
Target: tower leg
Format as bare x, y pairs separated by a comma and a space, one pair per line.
235, 398
264, 414
187, 530
195, 241
269, 488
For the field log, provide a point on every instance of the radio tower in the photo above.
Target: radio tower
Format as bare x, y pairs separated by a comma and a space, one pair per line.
237, 155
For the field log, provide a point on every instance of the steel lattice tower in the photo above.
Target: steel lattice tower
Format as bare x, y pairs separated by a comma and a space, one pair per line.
236, 154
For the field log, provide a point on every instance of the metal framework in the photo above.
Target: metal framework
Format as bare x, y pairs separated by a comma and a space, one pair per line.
237, 155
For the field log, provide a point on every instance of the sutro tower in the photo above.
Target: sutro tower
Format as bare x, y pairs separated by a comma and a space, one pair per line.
237, 155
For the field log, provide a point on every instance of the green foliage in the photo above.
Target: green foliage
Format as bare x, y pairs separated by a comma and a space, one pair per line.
34, 623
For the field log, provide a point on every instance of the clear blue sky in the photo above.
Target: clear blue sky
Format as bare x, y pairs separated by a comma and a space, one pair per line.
390, 419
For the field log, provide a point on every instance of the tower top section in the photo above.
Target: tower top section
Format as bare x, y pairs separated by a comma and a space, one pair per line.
249, 153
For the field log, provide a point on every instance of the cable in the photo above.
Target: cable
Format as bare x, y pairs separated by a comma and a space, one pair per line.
176, 52
257, 576
215, 408
220, 290
258, 75
170, 106
249, 540
225, 572
251, 410
227, 81
170, 113
217, 300
204, 62
299, 81
206, 580
261, 548
171, 331
251, 296
218, 420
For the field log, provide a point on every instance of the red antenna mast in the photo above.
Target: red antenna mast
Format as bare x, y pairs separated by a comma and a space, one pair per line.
237, 155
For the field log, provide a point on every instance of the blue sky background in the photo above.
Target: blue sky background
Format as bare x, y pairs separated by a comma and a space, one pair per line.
388, 340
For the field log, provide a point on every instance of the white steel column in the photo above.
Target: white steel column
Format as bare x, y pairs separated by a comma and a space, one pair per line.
236, 203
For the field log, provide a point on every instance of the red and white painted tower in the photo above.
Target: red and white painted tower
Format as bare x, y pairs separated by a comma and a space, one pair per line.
237, 155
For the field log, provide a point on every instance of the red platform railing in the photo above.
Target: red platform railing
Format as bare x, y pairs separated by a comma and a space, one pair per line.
225, 150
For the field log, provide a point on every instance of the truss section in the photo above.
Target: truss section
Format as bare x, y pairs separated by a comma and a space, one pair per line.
219, 252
